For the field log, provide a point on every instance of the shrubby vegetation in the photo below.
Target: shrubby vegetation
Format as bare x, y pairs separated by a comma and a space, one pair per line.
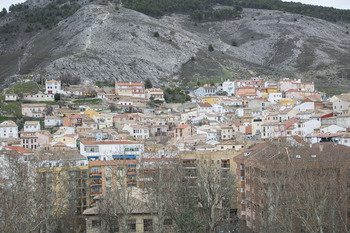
47, 16
3, 12
176, 95
199, 9
203, 9
50, 15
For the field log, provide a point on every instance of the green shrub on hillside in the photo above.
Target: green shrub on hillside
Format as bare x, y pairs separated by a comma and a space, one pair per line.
203, 9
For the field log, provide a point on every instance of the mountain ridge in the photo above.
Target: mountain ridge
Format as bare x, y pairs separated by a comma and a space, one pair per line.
99, 42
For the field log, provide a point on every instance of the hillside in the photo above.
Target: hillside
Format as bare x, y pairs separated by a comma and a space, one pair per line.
99, 42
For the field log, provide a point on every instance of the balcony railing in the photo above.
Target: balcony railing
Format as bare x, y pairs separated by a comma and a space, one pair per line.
225, 165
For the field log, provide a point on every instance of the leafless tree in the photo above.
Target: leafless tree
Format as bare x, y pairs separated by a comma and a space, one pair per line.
30, 204
297, 190
216, 193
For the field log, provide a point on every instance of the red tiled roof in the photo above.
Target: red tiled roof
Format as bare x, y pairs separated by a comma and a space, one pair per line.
182, 126
204, 105
19, 149
248, 129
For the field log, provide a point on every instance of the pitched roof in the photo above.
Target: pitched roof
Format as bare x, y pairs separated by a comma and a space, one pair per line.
19, 149
182, 126
204, 105
8, 124
31, 122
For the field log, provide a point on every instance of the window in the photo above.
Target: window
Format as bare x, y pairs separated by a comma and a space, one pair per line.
147, 225
168, 222
132, 225
95, 223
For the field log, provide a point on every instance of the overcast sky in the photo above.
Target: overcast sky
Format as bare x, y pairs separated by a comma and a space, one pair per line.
342, 4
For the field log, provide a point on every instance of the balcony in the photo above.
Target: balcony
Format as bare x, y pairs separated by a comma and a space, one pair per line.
121, 157
96, 174
95, 194
225, 166
96, 184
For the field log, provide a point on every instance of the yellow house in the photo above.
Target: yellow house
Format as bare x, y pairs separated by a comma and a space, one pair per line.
222, 159
211, 99
287, 102
91, 113
103, 120
66, 181
265, 91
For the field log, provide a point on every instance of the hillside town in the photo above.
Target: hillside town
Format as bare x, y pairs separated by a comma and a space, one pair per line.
102, 139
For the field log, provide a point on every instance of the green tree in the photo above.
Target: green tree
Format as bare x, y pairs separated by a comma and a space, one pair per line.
3, 12
57, 97
148, 83
210, 48
156, 34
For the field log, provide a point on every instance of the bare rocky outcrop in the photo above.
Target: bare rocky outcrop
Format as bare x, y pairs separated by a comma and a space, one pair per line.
101, 43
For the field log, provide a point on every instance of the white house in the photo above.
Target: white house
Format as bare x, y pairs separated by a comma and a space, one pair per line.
8, 129
205, 91
332, 129
137, 132
111, 150
218, 108
53, 87
64, 131
11, 97
156, 93
126, 103
52, 121
343, 120
344, 139
306, 127
342, 104
275, 97
38, 97
229, 87
305, 106
204, 107
31, 126
209, 133
231, 102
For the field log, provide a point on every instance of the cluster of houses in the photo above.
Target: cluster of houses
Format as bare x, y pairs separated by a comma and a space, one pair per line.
221, 122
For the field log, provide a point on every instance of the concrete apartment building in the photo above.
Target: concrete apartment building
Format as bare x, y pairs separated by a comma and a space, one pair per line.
130, 89
111, 150
273, 180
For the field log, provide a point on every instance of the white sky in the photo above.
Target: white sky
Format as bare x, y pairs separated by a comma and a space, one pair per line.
341, 4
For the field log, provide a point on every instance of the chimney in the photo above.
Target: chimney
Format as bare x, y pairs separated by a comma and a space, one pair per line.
320, 147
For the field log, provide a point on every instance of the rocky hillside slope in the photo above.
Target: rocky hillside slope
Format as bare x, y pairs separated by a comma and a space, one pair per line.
101, 43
